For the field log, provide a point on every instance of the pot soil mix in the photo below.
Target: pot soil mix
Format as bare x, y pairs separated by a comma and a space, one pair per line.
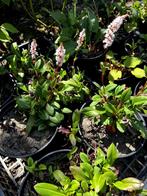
127, 143
14, 139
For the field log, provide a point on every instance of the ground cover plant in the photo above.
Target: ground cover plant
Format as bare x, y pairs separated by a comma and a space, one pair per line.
90, 177
71, 66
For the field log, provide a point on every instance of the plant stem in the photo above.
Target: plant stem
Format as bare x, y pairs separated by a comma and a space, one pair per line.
24, 7
64, 4
32, 9
52, 5
75, 7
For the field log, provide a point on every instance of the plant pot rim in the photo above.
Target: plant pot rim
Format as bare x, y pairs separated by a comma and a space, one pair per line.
142, 141
39, 161
34, 153
95, 57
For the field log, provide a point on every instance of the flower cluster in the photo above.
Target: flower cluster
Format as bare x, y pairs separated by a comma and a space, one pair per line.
113, 28
33, 49
81, 39
60, 53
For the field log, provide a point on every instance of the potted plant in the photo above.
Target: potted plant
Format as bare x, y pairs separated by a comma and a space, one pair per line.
129, 68
41, 103
112, 116
38, 170
90, 176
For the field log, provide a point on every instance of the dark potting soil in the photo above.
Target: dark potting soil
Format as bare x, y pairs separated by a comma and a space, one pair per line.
126, 143
14, 139
6, 185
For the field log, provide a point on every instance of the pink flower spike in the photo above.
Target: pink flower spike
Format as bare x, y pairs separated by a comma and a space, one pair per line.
60, 54
81, 39
112, 29
33, 49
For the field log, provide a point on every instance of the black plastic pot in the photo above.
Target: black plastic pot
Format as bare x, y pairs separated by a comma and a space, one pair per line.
139, 84
35, 152
90, 65
55, 156
89, 145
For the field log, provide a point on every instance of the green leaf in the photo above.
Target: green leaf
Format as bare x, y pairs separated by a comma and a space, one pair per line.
120, 127
42, 167
61, 177
55, 104
110, 108
43, 115
57, 118
90, 111
66, 110
112, 154
4, 37
24, 102
84, 157
84, 185
125, 96
9, 27
143, 192
74, 185
59, 17
139, 100
115, 74
110, 87
129, 184
46, 189
72, 139
132, 62
87, 169
98, 182
138, 72
78, 173
119, 89
100, 156
7, 2
41, 127
50, 109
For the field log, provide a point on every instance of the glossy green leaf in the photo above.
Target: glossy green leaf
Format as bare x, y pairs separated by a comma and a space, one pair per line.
139, 100
132, 62
115, 74
47, 189
129, 184
50, 109
66, 110
120, 127
72, 139
112, 154
84, 185
138, 72
78, 173
110, 108
43, 115
9, 27
84, 157
61, 178
125, 96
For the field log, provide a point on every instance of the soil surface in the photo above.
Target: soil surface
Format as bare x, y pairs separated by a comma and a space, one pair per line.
14, 139
95, 136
